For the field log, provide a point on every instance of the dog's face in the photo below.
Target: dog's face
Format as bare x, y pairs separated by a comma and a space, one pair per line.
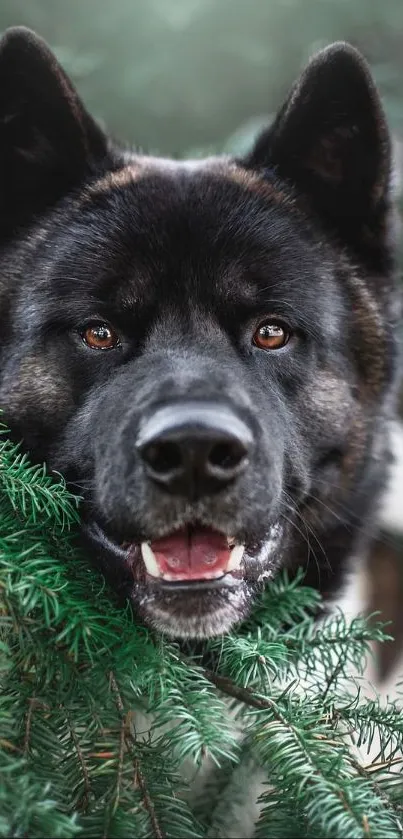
204, 349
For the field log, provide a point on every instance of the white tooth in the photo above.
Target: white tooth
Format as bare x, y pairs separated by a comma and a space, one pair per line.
149, 560
235, 559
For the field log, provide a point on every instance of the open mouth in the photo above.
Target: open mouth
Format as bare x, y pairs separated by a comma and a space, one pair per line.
190, 555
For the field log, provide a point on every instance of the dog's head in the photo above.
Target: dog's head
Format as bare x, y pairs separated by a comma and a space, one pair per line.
205, 348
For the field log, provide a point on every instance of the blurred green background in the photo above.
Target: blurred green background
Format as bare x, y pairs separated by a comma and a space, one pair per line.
186, 76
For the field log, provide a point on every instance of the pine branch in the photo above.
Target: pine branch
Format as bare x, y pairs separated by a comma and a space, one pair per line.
83, 803
244, 695
363, 773
30, 711
32, 493
140, 781
335, 674
138, 776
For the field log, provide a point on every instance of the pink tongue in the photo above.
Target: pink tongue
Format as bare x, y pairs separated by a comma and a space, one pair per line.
192, 555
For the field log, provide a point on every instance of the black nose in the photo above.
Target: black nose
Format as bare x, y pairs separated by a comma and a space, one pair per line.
194, 448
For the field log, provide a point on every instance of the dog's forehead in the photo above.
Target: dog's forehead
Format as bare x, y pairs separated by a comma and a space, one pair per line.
210, 195
153, 218
206, 231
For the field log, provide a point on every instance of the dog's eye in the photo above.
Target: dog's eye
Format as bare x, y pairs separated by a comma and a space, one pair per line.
100, 336
271, 335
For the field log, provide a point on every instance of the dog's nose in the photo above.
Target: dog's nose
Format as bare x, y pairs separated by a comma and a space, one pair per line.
194, 448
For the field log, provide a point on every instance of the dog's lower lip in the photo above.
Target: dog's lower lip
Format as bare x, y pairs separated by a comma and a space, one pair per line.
227, 581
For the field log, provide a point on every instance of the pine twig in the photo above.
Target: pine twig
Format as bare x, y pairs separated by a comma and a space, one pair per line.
244, 695
138, 775
364, 773
334, 675
86, 778
140, 781
33, 703
28, 723
120, 764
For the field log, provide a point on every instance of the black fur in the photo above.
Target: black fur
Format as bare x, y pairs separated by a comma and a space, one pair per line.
185, 261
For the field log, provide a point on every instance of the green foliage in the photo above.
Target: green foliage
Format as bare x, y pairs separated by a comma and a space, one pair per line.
103, 724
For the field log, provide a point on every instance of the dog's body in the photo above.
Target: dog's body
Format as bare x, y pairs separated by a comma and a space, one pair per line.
206, 350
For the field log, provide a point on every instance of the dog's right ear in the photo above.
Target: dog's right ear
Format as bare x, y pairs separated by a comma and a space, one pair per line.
48, 141
330, 140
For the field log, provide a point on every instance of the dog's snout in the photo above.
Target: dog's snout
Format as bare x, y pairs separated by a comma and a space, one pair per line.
194, 448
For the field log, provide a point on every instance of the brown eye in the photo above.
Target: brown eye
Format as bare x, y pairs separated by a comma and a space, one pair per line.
271, 335
100, 336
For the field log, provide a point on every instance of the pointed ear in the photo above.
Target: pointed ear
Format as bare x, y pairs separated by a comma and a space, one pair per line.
331, 141
48, 142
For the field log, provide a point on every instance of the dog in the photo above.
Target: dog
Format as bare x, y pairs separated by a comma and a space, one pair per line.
205, 349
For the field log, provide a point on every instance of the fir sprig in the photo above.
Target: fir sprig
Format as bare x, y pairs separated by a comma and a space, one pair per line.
34, 495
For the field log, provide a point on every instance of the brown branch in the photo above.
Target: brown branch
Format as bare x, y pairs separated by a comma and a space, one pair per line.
138, 775
118, 698
120, 764
244, 695
332, 678
385, 764
87, 783
33, 703
28, 722
140, 781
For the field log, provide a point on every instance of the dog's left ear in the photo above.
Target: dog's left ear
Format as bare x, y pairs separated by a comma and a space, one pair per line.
48, 142
330, 140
